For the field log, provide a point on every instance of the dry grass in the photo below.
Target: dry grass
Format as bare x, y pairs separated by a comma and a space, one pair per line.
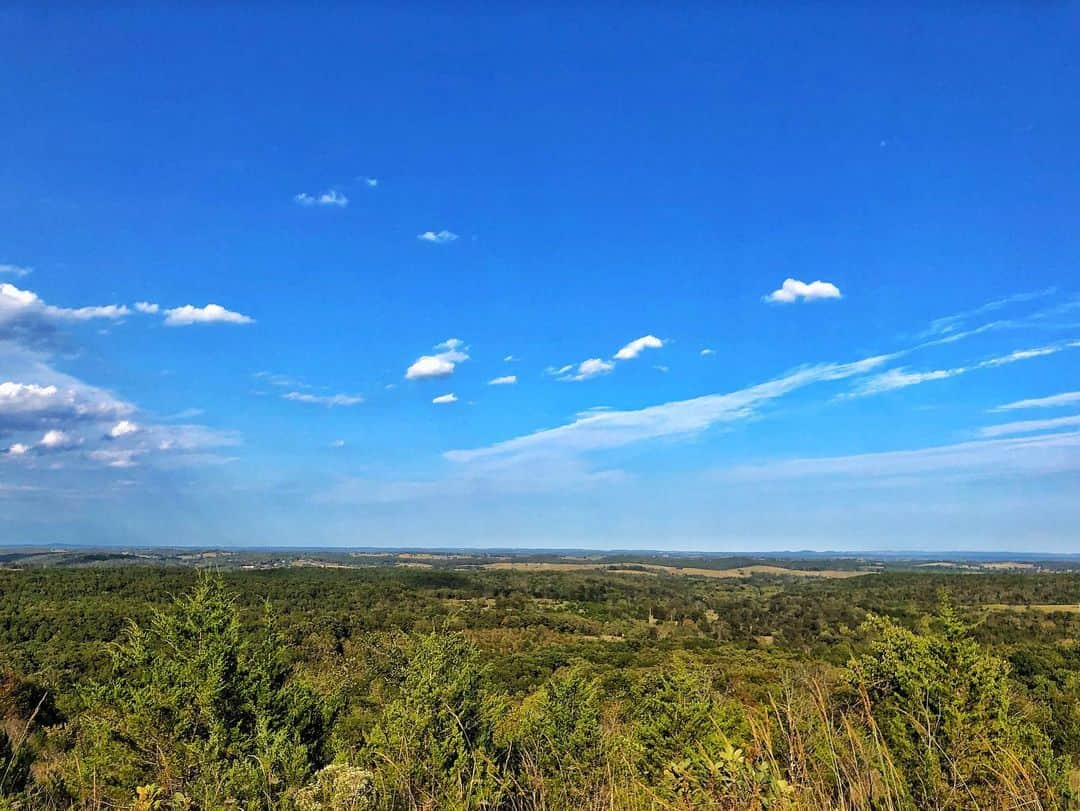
1042, 608
691, 571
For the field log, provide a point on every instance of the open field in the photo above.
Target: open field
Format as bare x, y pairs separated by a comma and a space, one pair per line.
690, 571
1048, 608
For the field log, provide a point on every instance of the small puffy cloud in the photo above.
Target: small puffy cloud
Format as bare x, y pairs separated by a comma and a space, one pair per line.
505, 380
707, 351
210, 314
445, 398
437, 237
449, 353
122, 428
18, 449
510, 359
429, 366
1053, 401
593, 367
17, 271
371, 182
147, 307
329, 400
637, 346
57, 440
330, 197
338, 443
794, 290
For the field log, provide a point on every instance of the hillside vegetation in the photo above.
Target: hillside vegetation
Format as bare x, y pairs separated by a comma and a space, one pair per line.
398, 688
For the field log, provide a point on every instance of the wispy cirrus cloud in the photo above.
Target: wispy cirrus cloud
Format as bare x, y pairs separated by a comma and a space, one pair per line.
1052, 401
598, 430
1030, 426
901, 378
956, 322
793, 290
17, 271
505, 380
444, 399
328, 400
985, 458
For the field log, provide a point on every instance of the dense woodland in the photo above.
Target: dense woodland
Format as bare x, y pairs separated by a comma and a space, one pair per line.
399, 688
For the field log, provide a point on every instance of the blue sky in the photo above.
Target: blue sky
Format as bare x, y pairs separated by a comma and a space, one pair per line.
260, 270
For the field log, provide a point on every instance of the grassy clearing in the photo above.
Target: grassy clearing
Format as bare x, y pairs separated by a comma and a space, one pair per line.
694, 571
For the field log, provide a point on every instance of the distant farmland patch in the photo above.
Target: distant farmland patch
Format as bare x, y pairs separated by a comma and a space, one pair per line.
694, 571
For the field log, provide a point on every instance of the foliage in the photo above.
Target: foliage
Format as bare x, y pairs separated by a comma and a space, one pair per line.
196, 713
944, 708
536, 690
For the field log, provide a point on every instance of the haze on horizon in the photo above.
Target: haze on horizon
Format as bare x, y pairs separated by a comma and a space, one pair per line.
770, 278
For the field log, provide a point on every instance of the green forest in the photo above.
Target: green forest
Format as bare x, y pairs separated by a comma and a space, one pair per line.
390, 687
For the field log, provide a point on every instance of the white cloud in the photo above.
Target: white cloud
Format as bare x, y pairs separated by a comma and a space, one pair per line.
505, 380
1030, 426
30, 406
1023, 354
116, 457
793, 290
437, 237
450, 345
25, 316
706, 351
951, 323
210, 314
15, 270
445, 398
147, 307
1046, 454
449, 353
510, 359
901, 378
1053, 401
338, 443
593, 430
429, 366
637, 346
280, 380
57, 440
18, 449
329, 400
123, 428
371, 182
330, 197
593, 367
